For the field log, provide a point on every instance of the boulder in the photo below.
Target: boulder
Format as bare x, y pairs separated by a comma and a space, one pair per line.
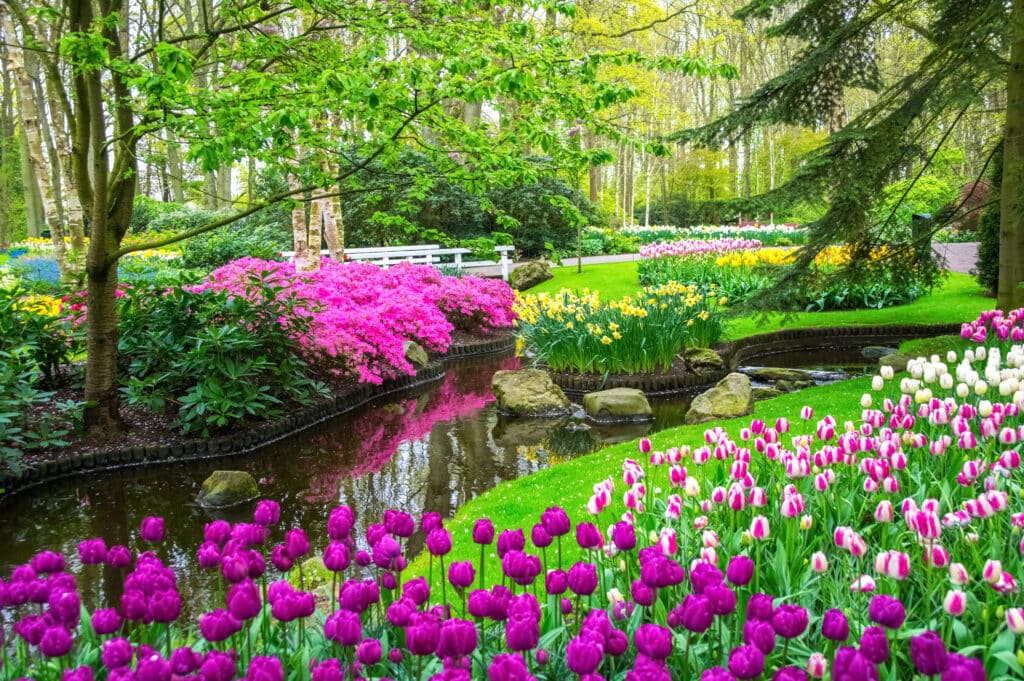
731, 397
528, 392
790, 386
618, 404
876, 351
897, 360
780, 374
765, 393
703, 359
529, 274
415, 354
227, 488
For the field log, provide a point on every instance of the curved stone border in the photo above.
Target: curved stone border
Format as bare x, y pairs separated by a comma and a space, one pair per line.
251, 439
766, 344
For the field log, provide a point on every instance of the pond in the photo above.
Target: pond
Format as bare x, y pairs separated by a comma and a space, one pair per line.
432, 449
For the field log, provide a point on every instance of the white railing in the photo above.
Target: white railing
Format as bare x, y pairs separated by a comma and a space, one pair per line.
424, 254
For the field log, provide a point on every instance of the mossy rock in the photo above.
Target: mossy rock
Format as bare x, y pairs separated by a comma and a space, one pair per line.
415, 354
731, 397
528, 392
529, 274
897, 360
780, 374
618, 404
761, 394
228, 488
703, 359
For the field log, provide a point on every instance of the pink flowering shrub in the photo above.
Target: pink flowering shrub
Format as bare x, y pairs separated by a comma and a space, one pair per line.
366, 313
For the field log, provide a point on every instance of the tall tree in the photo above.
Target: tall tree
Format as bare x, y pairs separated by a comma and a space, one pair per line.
966, 47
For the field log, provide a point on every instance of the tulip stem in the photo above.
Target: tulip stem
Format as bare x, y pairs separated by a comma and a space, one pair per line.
483, 583
444, 591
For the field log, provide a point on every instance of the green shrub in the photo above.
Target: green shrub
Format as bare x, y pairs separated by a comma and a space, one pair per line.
213, 249
215, 359
145, 210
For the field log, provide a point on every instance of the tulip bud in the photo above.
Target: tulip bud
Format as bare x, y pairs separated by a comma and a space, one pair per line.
1015, 620
955, 602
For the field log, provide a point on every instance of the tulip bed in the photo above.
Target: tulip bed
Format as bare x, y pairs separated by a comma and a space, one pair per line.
882, 547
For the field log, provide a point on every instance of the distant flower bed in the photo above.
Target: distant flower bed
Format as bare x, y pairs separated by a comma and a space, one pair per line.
740, 271
642, 333
768, 235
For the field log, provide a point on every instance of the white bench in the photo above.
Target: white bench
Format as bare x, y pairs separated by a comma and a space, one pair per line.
425, 254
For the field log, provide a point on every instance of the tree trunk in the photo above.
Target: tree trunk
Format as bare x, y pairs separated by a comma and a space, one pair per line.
594, 172
175, 171
224, 187
7, 143
316, 221
34, 219
299, 233
1011, 227
332, 218
30, 126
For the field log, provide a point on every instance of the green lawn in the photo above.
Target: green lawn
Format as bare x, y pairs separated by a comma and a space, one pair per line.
958, 299
519, 503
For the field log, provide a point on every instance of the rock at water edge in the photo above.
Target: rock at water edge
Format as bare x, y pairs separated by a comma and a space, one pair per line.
731, 397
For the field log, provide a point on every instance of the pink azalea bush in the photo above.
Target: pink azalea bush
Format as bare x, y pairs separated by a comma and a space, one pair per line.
366, 313
688, 247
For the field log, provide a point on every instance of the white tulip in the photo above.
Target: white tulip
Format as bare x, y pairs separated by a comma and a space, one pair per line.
886, 372
962, 390
865, 400
980, 387
951, 356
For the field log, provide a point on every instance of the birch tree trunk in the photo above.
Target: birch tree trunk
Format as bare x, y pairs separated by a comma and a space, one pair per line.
30, 128
332, 218
1011, 226
299, 233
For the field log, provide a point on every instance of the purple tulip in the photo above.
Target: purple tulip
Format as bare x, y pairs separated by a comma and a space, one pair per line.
218, 531
617, 643
243, 600
584, 653
184, 661
249, 534
759, 607
555, 521
522, 633
92, 551
483, 531
696, 615
208, 555
653, 641
399, 523
218, 625
963, 668
511, 540
887, 611
789, 674
106, 621
740, 570
705, 575
759, 634
540, 537
417, 590
521, 567
461, 574
458, 638
119, 557
789, 621
505, 667
928, 652
642, 594
874, 645
543, 657
280, 559
834, 626
387, 553
746, 662
218, 666
422, 635
263, 668
296, 543
369, 651
328, 670
352, 596
439, 542
431, 521
117, 652
480, 603
31, 628
82, 673
56, 642
583, 579
152, 529
624, 536
47, 562
340, 523
336, 556
500, 599
721, 598
152, 667
589, 537
400, 612
374, 533
267, 513
556, 582
851, 665
164, 606
66, 606
234, 568
344, 628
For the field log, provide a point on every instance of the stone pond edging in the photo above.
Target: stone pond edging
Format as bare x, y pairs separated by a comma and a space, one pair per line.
766, 344
251, 439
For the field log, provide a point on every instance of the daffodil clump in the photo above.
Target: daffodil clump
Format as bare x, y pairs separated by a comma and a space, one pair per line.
566, 331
